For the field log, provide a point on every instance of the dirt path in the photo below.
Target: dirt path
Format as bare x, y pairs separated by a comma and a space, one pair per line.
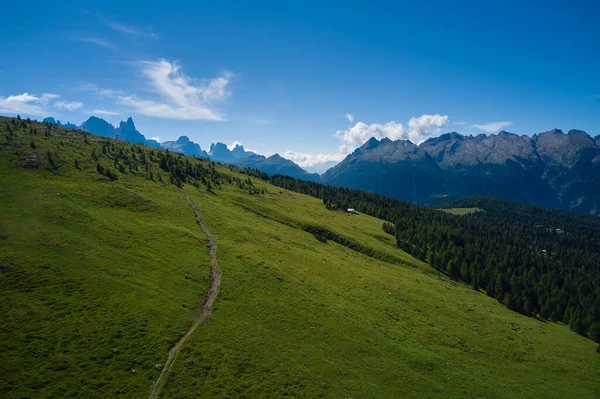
207, 309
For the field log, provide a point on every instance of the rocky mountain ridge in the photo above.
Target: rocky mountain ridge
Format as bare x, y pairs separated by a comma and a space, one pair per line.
550, 169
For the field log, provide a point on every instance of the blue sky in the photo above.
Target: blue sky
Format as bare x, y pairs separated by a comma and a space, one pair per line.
315, 78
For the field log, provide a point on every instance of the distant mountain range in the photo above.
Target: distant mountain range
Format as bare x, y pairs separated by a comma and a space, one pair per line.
67, 125
219, 152
276, 165
185, 146
550, 169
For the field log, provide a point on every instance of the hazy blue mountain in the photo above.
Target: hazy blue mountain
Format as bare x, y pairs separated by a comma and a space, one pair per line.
220, 153
275, 165
239, 152
68, 125
185, 146
99, 127
247, 159
126, 131
550, 169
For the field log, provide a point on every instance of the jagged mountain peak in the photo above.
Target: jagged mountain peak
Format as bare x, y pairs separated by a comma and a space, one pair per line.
185, 146
554, 131
128, 124
239, 151
96, 119
53, 121
126, 131
183, 140
218, 146
370, 144
276, 165
548, 169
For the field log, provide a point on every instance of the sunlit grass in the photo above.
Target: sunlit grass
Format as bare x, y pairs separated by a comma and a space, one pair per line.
100, 278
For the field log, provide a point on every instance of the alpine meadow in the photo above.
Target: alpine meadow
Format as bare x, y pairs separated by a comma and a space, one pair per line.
110, 253
316, 199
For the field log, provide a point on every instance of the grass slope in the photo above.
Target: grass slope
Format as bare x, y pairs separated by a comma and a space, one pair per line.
89, 265
461, 211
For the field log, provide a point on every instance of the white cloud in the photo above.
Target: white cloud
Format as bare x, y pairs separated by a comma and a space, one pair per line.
216, 89
156, 138
130, 30
361, 132
47, 97
28, 104
22, 98
163, 110
68, 105
492, 127
350, 117
355, 136
418, 129
308, 160
97, 42
168, 80
104, 112
426, 126
179, 96
175, 94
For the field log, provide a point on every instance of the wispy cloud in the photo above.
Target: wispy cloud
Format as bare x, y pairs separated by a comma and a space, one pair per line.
461, 123
176, 95
28, 104
68, 105
492, 127
98, 42
350, 117
131, 30
104, 112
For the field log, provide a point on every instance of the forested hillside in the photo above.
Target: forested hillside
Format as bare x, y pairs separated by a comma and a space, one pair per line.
536, 261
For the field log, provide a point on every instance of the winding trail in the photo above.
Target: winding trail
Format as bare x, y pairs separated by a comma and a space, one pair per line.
207, 308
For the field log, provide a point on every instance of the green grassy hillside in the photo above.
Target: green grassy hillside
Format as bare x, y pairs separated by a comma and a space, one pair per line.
100, 277
461, 211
